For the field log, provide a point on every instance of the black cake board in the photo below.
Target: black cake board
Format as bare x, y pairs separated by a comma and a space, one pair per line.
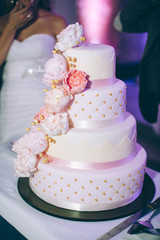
33, 200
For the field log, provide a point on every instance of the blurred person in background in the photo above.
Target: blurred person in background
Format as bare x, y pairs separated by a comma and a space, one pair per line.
28, 30
138, 16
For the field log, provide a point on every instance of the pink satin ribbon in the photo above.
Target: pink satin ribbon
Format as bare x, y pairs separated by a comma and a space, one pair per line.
90, 166
101, 82
95, 124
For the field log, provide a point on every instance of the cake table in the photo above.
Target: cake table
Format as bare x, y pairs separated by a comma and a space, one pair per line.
34, 224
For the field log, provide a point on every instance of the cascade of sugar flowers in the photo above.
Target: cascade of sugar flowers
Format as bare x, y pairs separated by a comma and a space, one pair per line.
52, 120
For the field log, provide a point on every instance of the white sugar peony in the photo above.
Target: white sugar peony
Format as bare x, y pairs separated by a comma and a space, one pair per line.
25, 163
37, 142
56, 100
20, 145
27, 148
33, 142
69, 37
55, 69
55, 124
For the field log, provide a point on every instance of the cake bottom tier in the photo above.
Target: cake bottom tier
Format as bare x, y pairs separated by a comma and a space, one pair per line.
90, 190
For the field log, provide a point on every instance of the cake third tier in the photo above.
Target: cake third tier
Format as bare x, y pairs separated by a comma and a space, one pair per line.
107, 144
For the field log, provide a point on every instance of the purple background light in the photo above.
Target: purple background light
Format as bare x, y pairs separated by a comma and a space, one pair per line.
97, 18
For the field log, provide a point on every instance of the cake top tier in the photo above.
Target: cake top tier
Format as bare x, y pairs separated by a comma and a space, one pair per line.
96, 60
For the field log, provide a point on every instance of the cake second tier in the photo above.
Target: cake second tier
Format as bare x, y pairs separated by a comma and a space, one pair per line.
99, 104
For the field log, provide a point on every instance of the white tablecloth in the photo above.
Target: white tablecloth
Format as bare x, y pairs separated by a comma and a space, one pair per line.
34, 224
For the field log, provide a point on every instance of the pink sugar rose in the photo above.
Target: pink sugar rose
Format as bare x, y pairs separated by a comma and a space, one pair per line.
56, 99
55, 69
69, 37
75, 81
40, 116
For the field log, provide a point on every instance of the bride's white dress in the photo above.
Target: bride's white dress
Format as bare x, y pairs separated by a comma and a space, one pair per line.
22, 93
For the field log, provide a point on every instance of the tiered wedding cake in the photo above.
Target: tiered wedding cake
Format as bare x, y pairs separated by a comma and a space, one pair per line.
81, 153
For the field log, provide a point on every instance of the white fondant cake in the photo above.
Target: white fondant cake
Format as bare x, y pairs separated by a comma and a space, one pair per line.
96, 163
